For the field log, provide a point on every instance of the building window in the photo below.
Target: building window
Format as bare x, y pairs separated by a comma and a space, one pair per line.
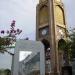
59, 15
43, 15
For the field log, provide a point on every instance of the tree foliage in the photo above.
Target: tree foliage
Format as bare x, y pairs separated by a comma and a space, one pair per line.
10, 38
72, 37
5, 72
68, 46
3, 43
61, 44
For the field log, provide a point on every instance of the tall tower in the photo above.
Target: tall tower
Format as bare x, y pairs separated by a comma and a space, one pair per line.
50, 28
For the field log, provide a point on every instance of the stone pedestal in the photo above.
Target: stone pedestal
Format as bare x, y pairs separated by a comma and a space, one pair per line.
67, 70
52, 73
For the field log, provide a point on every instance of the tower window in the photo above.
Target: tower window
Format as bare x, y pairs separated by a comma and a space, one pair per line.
59, 15
43, 15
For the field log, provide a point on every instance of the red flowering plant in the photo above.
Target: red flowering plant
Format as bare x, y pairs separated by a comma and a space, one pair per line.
10, 38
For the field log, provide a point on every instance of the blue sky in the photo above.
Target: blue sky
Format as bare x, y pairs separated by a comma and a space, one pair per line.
24, 12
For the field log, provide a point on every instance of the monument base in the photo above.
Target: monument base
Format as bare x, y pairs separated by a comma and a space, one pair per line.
67, 70
52, 73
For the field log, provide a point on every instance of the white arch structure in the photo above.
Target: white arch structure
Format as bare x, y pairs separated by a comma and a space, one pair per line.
27, 45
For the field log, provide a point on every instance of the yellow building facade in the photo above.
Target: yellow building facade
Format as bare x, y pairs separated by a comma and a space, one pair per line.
50, 28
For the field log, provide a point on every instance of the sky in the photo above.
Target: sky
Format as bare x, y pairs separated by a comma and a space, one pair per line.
24, 13
23, 55
69, 6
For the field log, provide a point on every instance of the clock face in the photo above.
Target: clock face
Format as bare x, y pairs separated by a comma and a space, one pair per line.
44, 31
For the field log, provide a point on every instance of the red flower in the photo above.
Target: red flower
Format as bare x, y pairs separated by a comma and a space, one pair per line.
18, 30
14, 31
11, 31
13, 23
2, 32
7, 32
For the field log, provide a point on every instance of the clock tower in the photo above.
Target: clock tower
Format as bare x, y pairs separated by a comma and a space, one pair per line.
50, 28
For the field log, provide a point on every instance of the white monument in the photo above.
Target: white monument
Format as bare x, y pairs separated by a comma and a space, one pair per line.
29, 58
